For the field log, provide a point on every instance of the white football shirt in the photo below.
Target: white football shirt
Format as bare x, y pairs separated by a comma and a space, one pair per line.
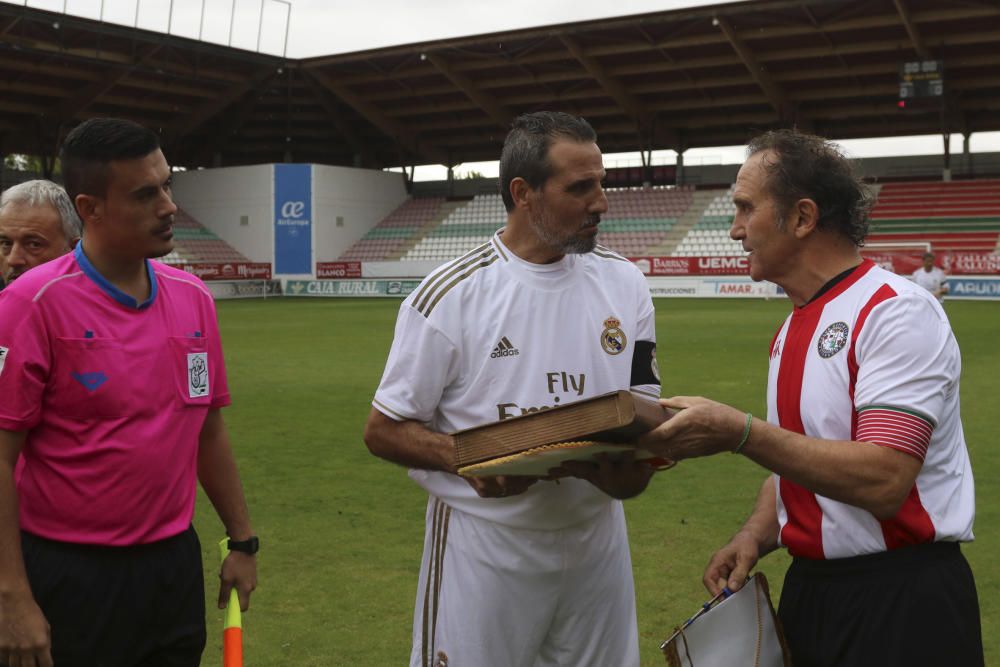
873, 360
489, 336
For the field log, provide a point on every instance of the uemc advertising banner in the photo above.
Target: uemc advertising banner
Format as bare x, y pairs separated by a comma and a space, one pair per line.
338, 270
292, 218
692, 266
903, 263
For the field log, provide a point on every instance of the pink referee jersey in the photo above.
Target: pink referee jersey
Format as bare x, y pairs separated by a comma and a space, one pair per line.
873, 360
113, 395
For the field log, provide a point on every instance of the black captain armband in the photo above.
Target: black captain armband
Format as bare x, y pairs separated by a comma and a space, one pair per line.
644, 369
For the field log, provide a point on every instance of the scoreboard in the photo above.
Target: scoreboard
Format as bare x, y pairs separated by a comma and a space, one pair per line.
921, 79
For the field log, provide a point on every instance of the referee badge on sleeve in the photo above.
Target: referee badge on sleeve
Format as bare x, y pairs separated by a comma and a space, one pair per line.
197, 374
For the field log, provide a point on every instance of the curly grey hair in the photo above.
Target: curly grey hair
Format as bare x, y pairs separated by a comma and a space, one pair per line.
811, 167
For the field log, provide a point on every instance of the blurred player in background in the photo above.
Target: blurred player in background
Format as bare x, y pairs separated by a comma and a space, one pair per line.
931, 278
872, 490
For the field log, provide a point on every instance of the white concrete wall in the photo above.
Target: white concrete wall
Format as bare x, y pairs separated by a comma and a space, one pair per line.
359, 197
217, 198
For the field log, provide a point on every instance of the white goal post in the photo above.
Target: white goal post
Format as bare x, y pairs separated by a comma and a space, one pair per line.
241, 289
896, 246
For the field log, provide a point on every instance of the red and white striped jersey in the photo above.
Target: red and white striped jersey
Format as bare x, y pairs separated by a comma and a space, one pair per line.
873, 360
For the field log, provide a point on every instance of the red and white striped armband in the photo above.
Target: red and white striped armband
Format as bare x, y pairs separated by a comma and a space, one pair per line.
900, 429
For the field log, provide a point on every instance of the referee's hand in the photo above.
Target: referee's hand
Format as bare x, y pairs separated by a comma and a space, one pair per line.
239, 571
25, 639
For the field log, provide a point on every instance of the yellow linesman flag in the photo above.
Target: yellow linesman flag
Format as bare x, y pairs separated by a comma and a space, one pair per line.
232, 626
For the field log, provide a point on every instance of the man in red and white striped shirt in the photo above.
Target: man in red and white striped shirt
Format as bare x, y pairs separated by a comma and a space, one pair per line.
872, 490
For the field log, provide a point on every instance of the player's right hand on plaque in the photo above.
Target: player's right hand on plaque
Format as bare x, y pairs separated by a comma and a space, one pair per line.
700, 427
621, 476
501, 486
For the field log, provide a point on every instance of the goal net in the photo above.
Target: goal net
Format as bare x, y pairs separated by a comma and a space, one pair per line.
241, 289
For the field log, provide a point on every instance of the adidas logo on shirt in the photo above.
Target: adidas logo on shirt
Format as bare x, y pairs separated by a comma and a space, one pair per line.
504, 349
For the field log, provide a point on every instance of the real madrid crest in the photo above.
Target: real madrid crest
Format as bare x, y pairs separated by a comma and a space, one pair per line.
832, 340
613, 339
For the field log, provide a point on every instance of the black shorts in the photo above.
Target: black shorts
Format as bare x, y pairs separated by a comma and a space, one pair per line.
909, 607
120, 606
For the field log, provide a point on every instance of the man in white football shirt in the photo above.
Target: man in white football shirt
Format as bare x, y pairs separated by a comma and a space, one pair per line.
872, 490
522, 571
931, 278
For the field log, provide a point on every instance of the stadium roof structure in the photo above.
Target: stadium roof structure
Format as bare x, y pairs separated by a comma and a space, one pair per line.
697, 77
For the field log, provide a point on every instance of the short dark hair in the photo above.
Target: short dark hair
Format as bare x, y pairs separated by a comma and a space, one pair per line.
526, 149
811, 167
93, 144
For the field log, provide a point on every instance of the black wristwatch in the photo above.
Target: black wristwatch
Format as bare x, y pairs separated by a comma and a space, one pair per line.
250, 546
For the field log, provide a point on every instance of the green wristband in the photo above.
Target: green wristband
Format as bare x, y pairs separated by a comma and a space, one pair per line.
746, 434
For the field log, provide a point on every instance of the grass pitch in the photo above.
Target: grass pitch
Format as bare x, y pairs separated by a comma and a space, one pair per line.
342, 531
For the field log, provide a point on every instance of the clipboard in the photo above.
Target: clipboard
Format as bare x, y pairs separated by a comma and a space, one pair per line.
731, 630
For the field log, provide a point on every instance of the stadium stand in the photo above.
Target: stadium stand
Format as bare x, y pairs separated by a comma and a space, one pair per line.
956, 215
684, 222
709, 237
468, 225
638, 221
193, 243
395, 234
641, 219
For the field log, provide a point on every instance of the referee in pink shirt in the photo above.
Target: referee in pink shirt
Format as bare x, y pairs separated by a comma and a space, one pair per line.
111, 384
